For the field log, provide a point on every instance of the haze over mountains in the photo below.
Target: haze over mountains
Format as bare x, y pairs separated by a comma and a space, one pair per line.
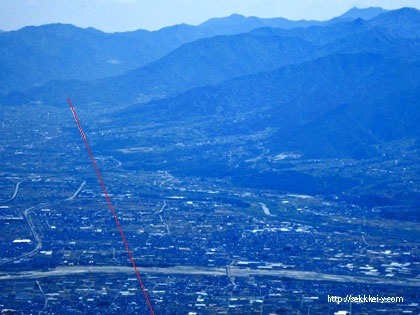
67, 52
338, 88
32, 56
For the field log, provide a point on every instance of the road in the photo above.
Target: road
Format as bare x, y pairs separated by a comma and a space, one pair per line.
317, 276
27, 215
210, 271
161, 219
266, 210
15, 192
77, 191
35, 235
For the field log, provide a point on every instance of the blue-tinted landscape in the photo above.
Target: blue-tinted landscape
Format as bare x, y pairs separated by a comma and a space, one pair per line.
256, 165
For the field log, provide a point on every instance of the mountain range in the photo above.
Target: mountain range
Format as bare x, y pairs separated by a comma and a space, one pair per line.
343, 88
32, 56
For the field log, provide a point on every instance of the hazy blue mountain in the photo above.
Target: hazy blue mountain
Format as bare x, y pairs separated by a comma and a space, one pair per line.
403, 22
199, 63
341, 28
344, 89
360, 127
209, 61
303, 102
237, 23
32, 56
213, 60
365, 14
334, 90
365, 37
299, 88
338, 106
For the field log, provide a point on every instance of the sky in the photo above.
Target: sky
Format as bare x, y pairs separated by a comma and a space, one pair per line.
126, 15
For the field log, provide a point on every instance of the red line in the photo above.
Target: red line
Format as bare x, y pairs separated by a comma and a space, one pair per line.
111, 206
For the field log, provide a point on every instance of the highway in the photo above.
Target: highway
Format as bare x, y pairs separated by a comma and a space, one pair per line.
232, 271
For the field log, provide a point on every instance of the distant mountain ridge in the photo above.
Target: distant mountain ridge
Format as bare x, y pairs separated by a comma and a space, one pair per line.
229, 105
403, 22
212, 60
237, 23
365, 14
32, 56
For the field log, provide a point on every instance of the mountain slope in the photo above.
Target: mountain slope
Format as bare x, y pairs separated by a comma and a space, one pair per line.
360, 128
212, 60
237, 23
365, 13
32, 56
264, 108
199, 63
299, 101
326, 34
403, 22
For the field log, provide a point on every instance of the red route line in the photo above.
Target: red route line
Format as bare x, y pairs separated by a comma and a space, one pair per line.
111, 206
